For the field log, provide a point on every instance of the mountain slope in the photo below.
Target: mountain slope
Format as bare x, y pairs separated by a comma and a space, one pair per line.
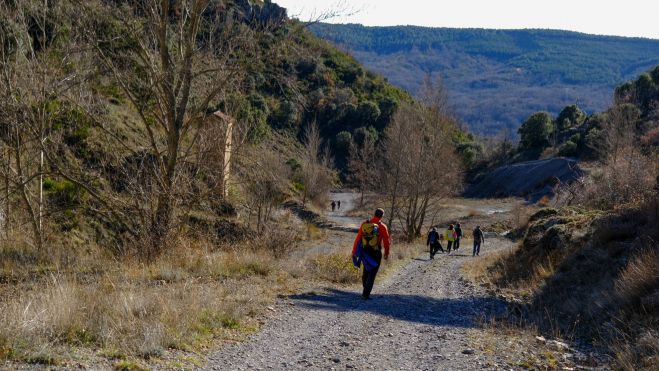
496, 78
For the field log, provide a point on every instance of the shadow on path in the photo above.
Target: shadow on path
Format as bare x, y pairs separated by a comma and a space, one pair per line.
458, 312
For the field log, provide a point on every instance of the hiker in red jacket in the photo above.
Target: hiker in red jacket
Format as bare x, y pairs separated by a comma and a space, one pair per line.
372, 236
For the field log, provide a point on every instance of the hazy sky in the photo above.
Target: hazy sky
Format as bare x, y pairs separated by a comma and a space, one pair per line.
605, 17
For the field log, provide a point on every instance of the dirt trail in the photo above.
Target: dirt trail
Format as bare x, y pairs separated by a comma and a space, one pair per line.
339, 215
423, 317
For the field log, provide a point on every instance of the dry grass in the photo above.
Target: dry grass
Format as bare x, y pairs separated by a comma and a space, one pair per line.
477, 269
473, 212
556, 274
186, 299
520, 214
406, 251
58, 304
638, 284
641, 353
637, 294
315, 233
335, 267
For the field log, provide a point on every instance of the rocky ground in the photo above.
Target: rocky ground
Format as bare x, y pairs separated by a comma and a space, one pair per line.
425, 316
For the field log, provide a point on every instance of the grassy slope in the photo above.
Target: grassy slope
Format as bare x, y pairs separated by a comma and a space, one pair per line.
587, 275
496, 78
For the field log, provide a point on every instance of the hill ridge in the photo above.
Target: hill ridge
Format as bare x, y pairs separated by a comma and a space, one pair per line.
498, 77
558, 30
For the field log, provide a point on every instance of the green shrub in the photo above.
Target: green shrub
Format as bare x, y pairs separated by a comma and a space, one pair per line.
64, 193
568, 149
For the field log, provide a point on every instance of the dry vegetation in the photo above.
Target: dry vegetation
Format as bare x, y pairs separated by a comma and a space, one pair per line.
127, 307
140, 206
556, 277
89, 307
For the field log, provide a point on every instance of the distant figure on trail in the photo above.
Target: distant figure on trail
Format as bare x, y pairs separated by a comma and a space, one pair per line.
338, 205
367, 249
449, 236
433, 242
479, 238
333, 205
458, 237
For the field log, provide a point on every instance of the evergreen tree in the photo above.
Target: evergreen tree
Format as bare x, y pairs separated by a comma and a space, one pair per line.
535, 132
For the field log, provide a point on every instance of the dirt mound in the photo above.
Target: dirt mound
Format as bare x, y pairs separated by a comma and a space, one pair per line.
532, 179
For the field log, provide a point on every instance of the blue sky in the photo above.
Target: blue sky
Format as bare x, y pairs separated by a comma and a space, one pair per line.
605, 17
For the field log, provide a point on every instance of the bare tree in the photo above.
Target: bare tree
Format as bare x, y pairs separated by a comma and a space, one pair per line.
420, 163
619, 131
315, 172
362, 165
172, 61
32, 79
266, 182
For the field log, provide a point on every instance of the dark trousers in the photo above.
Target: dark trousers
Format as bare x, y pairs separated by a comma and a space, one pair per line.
477, 248
368, 277
449, 244
434, 248
456, 244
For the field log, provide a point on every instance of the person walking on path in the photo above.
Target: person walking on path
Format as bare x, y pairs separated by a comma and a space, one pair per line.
373, 235
449, 236
338, 205
458, 236
479, 238
433, 242
333, 205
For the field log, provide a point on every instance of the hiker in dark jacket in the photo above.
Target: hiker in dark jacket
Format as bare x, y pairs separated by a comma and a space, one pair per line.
333, 204
458, 236
433, 242
479, 238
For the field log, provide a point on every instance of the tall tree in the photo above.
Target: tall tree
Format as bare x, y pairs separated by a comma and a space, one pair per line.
570, 116
362, 165
420, 164
33, 77
315, 172
173, 61
535, 133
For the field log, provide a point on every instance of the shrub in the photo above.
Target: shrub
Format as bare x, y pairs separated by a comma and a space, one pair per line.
629, 180
64, 193
535, 132
568, 149
639, 280
335, 268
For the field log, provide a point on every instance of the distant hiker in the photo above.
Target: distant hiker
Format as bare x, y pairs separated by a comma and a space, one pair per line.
479, 238
449, 236
338, 205
458, 236
367, 249
333, 205
433, 242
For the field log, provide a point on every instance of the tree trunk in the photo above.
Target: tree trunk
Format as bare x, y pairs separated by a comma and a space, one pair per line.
7, 196
361, 198
24, 192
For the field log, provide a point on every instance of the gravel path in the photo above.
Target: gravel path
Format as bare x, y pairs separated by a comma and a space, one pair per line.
421, 318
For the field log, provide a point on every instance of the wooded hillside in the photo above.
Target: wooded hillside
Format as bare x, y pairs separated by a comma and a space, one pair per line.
497, 78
